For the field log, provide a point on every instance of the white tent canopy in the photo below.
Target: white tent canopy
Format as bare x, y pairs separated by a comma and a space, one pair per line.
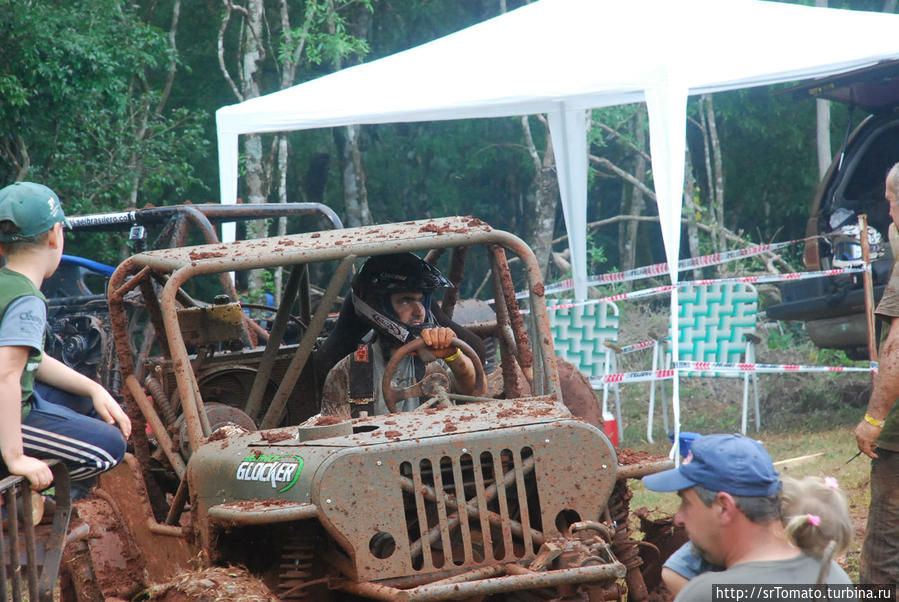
564, 57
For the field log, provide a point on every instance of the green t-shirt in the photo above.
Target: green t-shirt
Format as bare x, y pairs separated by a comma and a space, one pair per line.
21, 330
887, 310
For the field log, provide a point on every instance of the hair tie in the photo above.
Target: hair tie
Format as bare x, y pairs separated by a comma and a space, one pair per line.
831, 482
814, 519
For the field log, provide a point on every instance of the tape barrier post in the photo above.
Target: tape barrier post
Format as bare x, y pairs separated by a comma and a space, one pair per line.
869, 291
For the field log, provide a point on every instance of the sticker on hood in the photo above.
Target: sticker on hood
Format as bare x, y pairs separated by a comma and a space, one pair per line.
278, 470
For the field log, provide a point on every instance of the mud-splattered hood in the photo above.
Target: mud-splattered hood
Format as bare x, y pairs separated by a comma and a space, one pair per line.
364, 483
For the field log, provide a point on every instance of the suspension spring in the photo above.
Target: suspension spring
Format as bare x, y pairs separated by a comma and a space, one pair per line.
623, 546
161, 400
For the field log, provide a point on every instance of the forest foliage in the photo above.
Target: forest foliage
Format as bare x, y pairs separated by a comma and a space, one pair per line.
112, 104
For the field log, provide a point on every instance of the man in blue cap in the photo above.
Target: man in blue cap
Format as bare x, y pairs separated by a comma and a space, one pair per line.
730, 508
47, 409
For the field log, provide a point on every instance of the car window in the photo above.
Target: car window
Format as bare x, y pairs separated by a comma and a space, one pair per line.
862, 191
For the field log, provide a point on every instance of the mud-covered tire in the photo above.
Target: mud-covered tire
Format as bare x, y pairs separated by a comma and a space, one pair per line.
577, 393
211, 585
77, 580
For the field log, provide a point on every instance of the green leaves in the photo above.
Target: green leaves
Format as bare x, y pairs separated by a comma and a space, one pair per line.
323, 35
77, 83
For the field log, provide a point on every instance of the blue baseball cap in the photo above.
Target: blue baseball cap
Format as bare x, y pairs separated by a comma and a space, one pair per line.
731, 463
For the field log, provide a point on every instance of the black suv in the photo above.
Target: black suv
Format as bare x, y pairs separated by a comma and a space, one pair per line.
833, 308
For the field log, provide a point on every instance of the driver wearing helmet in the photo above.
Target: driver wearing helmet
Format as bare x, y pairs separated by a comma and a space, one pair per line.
392, 294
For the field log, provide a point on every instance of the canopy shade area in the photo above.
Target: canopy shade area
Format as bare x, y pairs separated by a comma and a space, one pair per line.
564, 57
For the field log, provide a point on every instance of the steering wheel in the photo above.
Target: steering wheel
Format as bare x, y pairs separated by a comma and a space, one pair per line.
434, 383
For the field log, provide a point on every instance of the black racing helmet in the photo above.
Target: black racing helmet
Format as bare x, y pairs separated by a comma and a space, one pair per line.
384, 275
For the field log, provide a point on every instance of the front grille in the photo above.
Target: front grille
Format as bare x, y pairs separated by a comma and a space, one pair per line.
440, 505
471, 509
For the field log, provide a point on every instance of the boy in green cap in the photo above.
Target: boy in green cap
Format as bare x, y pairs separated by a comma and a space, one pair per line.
46, 408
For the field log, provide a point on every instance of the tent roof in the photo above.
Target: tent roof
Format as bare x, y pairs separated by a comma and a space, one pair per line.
579, 54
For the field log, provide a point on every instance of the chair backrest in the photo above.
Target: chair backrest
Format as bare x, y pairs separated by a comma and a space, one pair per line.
580, 331
713, 319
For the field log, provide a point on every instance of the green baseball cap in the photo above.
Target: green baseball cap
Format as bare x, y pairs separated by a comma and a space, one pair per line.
33, 208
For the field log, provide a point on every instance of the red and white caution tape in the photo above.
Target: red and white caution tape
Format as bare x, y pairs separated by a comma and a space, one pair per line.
766, 278
647, 292
636, 347
768, 368
650, 375
631, 377
660, 269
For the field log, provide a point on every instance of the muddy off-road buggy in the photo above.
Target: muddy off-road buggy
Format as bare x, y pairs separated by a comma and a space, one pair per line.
500, 495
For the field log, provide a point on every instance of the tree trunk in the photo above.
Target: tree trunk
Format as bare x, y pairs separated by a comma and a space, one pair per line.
707, 162
719, 170
690, 209
255, 194
714, 170
546, 202
355, 193
16, 152
629, 258
253, 54
545, 198
282, 198
139, 131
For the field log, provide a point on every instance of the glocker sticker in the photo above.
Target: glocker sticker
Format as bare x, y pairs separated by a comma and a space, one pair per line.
280, 471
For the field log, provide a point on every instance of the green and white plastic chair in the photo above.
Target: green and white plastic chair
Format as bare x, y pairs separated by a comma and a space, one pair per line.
717, 323
580, 334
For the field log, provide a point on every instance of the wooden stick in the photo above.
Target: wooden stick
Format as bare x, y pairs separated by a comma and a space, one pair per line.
869, 287
798, 459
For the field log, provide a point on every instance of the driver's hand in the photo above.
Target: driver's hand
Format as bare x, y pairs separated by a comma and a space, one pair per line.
439, 341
